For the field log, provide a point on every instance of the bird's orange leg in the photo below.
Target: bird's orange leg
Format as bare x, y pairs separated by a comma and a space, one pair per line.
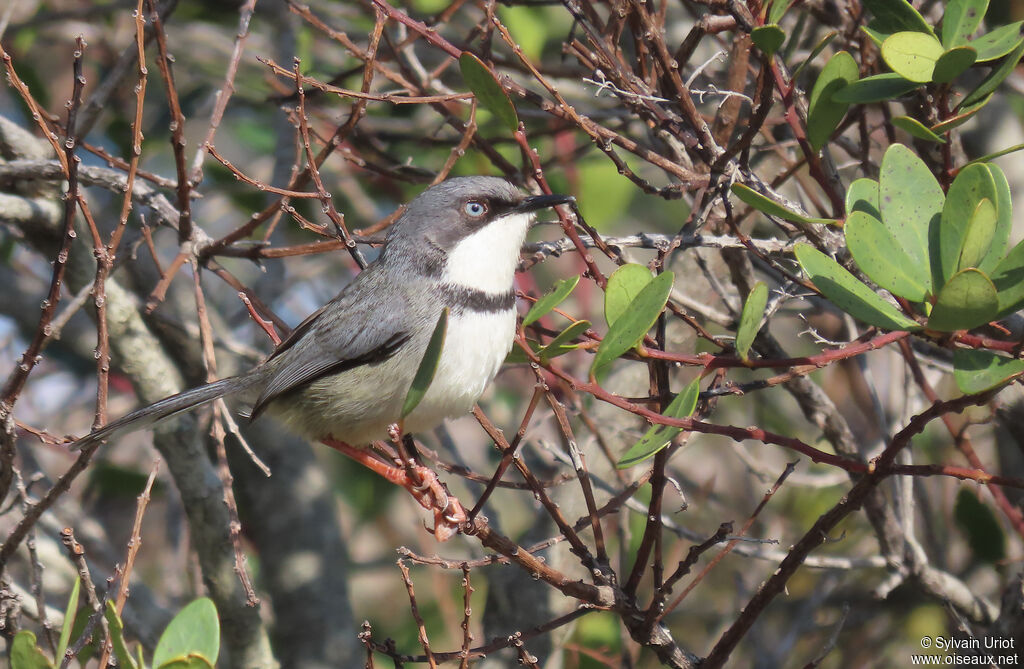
421, 482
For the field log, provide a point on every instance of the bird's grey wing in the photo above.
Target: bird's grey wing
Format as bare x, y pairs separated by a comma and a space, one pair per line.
347, 332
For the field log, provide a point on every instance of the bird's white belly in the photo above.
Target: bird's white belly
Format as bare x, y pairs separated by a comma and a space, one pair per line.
358, 405
475, 346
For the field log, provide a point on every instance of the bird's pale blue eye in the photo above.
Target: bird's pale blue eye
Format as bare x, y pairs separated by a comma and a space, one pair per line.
475, 209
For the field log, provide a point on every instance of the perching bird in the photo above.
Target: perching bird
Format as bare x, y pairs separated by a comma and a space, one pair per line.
343, 374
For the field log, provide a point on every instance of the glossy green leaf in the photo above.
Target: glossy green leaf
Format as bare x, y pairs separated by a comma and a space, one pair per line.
953, 63
849, 294
124, 658
960, 117
862, 195
487, 90
69, 622
912, 55
1004, 210
990, 83
659, 436
976, 371
916, 129
195, 630
551, 299
966, 301
623, 286
425, 372
768, 38
984, 534
560, 344
910, 200
973, 184
999, 42
750, 319
748, 195
1008, 277
892, 16
25, 654
629, 328
876, 88
880, 257
978, 237
823, 113
961, 20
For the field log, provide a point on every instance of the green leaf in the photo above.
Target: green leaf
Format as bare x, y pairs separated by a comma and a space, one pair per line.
124, 658
877, 36
862, 195
818, 48
973, 184
876, 88
916, 129
69, 622
895, 15
849, 294
748, 195
25, 654
912, 55
189, 662
81, 622
559, 345
194, 631
999, 42
953, 63
1008, 277
823, 113
978, 237
1004, 209
750, 319
629, 329
488, 91
960, 117
976, 520
659, 436
990, 83
880, 257
768, 38
428, 366
623, 285
777, 10
961, 20
551, 299
976, 371
966, 301
910, 200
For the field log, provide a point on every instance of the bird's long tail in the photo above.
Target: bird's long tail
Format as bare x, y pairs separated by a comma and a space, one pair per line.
165, 408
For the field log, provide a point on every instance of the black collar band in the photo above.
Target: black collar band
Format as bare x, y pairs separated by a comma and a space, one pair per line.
463, 298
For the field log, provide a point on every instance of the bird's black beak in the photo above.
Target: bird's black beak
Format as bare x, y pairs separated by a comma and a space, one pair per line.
535, 202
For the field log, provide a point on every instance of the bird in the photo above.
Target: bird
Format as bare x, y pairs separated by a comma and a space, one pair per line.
343, 374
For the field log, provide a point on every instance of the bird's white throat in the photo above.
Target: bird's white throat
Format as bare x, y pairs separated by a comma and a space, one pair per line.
487, 259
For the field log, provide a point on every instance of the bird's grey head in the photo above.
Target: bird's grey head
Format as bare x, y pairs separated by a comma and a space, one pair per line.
465, 226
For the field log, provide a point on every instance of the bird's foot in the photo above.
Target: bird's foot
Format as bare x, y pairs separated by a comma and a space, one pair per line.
421, 482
